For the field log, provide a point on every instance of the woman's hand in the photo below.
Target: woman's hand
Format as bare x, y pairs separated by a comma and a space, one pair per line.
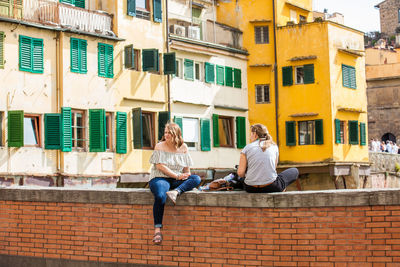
182, 176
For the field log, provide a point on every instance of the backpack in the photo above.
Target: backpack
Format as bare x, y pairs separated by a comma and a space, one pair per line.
230, 182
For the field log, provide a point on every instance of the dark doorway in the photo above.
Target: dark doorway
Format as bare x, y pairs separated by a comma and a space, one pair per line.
389, 136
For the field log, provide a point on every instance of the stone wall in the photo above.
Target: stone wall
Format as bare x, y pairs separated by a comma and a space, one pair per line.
388, 11
85, 228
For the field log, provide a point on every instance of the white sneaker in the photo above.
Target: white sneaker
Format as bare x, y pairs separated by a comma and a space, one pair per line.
173, 194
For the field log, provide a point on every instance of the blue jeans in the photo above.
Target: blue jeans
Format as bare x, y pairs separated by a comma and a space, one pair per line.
159, 186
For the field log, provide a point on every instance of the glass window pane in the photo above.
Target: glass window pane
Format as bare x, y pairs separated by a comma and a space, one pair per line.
141, 4
190, 129
30, 137
225, 133
302, 132
108, 130
197, 71
299, 75
147, 130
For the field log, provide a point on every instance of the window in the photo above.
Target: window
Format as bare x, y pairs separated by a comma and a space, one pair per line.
340, 132
306, 132
143, 129
197, 71
77, 3
209, 72
169, 60
150, 60
353, 132
262, 93
220, 75
105, 60
30, 54
190, 132
287, 76
148, 130
398, 15
2, 50
143, 9
237, 76
293, 16
225, 131
228, 76
299, 73
261, 35
189, 69
78, 55
179, 68
303, 75
349, 76
31, 130
302, 19
109, 137
78, 127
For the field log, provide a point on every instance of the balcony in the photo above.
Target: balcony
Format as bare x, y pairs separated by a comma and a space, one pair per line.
204, 30
56, 14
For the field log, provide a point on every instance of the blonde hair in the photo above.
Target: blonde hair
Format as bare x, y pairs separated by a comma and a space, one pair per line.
176, 133
264, 138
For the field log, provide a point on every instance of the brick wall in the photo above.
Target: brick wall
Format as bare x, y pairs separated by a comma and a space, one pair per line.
326, 228
388, 11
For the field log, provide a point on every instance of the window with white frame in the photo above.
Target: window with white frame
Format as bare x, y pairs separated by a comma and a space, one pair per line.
31, 130
179, 70
197, 71
109, 130
190, 132
306, 132
261, 34
78, 129
262, 93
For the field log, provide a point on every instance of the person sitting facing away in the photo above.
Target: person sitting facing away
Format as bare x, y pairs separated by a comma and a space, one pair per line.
260, 158
170, 170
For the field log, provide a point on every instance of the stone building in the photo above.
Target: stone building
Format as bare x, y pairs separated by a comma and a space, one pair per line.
389, 16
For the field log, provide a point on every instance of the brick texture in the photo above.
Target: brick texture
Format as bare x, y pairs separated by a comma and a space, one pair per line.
203, 236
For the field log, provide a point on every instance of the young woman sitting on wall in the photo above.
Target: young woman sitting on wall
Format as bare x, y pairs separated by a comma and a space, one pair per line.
258, 161
171, 170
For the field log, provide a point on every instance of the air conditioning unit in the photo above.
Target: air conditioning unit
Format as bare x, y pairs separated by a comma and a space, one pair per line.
177, 30
194, 32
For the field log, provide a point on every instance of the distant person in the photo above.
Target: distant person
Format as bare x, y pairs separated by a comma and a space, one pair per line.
395, 148
258, 161
383, 146
171, 170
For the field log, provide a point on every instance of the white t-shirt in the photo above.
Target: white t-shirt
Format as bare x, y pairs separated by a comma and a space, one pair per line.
261, 165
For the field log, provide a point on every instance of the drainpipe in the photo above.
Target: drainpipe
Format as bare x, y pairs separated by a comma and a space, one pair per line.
59, 90
275, 75
167, 46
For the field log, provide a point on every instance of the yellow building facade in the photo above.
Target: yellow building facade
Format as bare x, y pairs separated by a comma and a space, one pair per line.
306, 83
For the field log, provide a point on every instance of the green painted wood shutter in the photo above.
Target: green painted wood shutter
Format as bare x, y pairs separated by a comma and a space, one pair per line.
178, 120
157, 11
290, 133
363, 137
52, 131
67, 1
105, 60
66, 129
2, 50
238, 78
209, 76
137, 128
228, 76
220, 75
287, 76
189, 69
80, 3
169, 63
337, 132
309, 74
131, 8
30, 54
353, 132
240, 132
37, 55
97, 130
15, 128
205, 135
121, 132
163, 119
78, 55
129, 56
319, 132
150, 59
349, 76
215, 118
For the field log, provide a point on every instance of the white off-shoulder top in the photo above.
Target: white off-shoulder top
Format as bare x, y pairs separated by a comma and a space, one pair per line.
174, 161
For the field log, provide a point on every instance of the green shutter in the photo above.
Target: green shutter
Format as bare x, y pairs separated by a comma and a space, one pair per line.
52, 131
131, 8
309, 74
220, 75
157, 11
109, 61
66, 129
137, 128
345, 76
363, 137
150, 59
80, 3
97, 130
25, 55
352, 76
169, 63
238, 78
209, 76
121, 132
205, 135
83, 56
319, 132
287, 76
101, 60
228, 76
15, 128
189, 69
163, 119
349, 76
178, 120
67, 1
129, 57
215, 130
74, 55
240, 132
353, 132
37, 55
337, 131
1, 50
290, 133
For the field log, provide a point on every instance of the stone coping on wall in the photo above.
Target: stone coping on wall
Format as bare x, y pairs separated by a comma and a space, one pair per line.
123, 196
